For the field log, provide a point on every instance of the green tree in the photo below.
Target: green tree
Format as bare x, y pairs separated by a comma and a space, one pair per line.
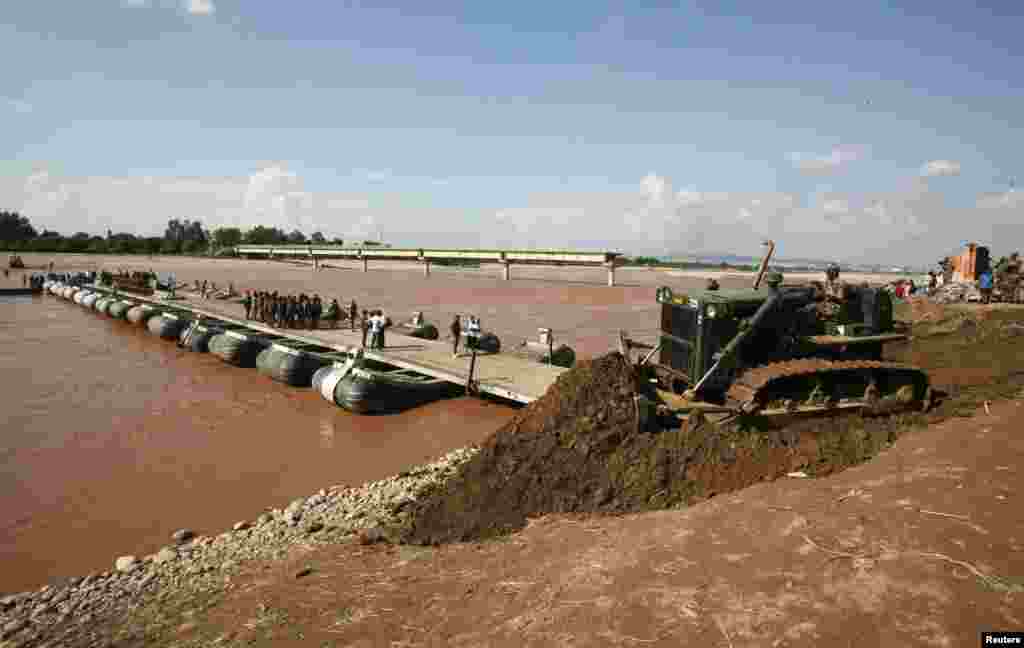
261, 235
98, 246
318, 238
153, 245
226, 237
296, 238
14, 227
170, 246
194, 247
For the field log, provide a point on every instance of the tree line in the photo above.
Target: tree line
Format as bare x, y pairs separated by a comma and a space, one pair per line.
180, 237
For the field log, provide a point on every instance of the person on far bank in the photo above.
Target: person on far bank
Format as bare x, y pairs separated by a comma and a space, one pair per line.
353, 312
247, 303
456, 330
985, 286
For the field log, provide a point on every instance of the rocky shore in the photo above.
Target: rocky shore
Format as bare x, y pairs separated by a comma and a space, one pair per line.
68, 613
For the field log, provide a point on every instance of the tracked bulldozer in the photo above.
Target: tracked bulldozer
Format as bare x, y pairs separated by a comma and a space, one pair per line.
765, 351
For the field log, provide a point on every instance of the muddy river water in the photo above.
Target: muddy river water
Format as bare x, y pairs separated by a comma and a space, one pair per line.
111, 439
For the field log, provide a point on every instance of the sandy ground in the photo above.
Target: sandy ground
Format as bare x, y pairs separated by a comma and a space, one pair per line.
573, 301
919, 547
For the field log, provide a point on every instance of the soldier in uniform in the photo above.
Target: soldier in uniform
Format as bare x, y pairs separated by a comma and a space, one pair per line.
833, 296
774, 280
712, 284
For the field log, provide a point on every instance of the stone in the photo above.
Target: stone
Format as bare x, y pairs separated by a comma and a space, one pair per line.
13, 627
165, 555
181, 536
240, 526
126, 564
313, 527
11, 601
264, 519
372, 535
302, 573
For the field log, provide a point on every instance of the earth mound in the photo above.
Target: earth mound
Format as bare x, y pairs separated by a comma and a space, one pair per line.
582, 448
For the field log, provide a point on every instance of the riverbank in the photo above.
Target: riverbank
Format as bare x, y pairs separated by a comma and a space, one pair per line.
73, 612
917, 546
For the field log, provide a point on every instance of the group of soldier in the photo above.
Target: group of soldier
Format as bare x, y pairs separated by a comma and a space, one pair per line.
830, 296
302, 311
293, 311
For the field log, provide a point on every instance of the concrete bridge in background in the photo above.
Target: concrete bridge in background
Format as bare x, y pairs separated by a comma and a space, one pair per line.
424, 256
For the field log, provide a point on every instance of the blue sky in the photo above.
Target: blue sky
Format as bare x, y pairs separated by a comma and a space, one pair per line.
646, 127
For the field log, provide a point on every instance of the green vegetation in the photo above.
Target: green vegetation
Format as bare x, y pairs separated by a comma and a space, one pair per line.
180, 237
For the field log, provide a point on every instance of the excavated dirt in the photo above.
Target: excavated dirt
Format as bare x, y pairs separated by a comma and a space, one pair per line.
580, 447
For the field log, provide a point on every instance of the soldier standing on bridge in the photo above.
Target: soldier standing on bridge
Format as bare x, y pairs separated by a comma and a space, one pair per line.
456, 329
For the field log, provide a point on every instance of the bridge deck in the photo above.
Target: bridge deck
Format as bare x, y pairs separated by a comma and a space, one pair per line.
575, 257
504, 375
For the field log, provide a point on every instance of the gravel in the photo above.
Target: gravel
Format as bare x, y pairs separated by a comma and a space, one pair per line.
71, 613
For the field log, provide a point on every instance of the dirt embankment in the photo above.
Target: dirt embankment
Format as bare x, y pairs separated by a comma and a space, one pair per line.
580, 447
917, 547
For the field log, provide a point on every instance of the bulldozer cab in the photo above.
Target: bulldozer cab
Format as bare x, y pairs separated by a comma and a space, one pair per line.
696, 326
738, 329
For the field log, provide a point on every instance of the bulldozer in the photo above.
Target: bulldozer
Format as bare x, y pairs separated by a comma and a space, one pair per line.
763, 351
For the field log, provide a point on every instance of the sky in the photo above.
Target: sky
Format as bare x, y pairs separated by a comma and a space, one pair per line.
872, 131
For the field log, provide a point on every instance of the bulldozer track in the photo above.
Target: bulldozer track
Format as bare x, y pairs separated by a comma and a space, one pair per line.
745, 390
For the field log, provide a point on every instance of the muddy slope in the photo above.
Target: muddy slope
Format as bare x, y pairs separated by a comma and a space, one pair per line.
580, 449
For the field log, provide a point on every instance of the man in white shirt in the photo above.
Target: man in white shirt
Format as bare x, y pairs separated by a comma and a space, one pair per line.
376, 323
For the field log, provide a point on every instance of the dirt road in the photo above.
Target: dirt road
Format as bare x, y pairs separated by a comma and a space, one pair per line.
919, 547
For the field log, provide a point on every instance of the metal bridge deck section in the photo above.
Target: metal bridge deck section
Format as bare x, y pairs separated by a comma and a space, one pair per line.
503, 375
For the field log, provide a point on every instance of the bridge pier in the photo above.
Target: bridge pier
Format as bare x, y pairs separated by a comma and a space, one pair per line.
366, 262
506, 270
611, 273
426, 267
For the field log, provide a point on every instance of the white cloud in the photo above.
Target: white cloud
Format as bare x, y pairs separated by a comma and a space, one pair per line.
19, 106
907, 224
1005, 200
835, 207
821, 164
201, 7
940, 168
272, 196
657, 189
374, 175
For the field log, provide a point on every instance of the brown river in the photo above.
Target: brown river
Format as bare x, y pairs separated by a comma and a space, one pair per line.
111, 439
